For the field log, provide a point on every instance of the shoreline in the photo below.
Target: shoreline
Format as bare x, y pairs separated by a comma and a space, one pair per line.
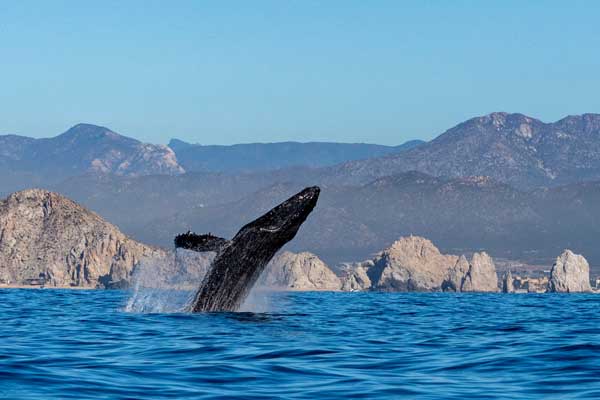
279, 290
43, 287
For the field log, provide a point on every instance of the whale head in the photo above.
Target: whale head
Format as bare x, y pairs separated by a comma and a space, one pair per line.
280, 225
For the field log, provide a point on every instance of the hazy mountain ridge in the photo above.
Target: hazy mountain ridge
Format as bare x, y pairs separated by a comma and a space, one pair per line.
254, 157
83, 148
354, 221
511, 148
351, 222
131, 202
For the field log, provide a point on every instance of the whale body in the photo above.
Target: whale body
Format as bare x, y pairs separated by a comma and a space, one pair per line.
240, 261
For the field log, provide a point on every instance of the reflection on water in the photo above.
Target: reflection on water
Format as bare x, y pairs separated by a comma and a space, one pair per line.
81, 344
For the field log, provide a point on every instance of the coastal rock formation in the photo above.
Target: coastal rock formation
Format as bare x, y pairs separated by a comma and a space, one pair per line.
507, 283
47, 237
415, 264
410, 264
481, 276
456, 276
570, 273
355, 277
301, 271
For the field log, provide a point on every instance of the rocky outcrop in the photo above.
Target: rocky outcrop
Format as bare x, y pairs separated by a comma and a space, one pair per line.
410, 264
299, 271
570, 273
456, 276
355, 277
48, 237
478, 275
507, 283
481, 276
415, 264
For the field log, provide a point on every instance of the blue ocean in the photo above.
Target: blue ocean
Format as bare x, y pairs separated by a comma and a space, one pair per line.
83, 344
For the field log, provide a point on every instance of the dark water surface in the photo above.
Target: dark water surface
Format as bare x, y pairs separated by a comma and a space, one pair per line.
80, 344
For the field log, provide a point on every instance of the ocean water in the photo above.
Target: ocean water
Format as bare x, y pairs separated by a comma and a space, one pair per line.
82, 344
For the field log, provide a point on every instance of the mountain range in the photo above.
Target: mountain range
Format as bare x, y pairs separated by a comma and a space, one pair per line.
253, 157
511, 148
26, 161
93, 150
462, 215
351, 222
505, 183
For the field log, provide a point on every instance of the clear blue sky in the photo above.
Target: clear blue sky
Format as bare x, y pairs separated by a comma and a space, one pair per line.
245, 71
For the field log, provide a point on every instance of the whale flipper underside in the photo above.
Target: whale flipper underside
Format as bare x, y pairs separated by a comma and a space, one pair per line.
240, 261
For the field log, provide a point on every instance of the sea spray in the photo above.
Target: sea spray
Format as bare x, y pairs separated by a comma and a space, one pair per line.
258, 300
168, 284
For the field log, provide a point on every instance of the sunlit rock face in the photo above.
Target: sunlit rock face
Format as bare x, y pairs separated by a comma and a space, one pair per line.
299, 271
48, 237
415, 264
355, 276
410, 264
570, 273
456, 276
482, 276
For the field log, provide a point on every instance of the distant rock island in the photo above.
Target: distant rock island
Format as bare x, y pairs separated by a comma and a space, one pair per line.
570, 273
47, 239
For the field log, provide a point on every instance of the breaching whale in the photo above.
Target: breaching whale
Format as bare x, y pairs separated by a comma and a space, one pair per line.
240, 261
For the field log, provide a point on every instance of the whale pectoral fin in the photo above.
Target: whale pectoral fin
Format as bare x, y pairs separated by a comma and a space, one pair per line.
200, 243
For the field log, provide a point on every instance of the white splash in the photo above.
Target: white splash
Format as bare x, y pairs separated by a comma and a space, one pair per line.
258, 300
167, 285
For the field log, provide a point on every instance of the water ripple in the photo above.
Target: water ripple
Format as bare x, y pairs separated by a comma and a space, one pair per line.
79, 344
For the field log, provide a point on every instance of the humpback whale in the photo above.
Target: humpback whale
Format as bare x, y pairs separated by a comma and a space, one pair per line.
240, 261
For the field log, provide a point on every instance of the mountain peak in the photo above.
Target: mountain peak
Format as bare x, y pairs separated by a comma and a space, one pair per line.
90, 131
178, 144
587, 123
510, 148
503, 119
